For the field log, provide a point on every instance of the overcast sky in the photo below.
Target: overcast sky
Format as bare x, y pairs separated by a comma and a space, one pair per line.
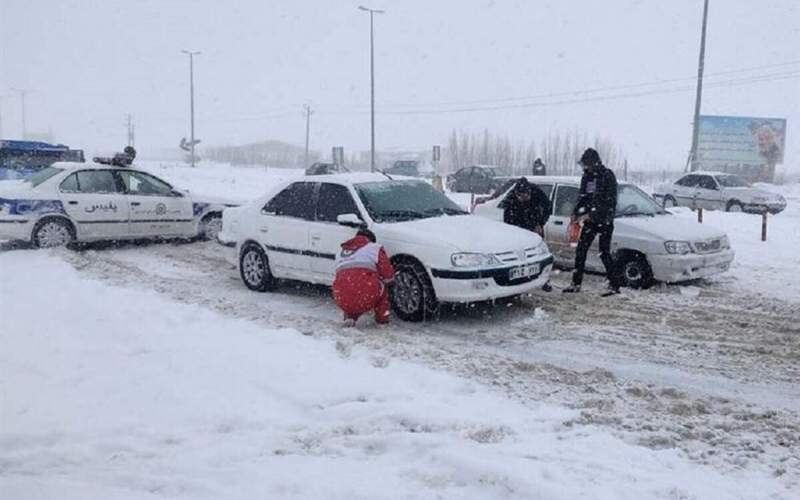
88, 63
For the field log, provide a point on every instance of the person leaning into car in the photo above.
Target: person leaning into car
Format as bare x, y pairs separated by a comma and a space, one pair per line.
528, 207
596, 207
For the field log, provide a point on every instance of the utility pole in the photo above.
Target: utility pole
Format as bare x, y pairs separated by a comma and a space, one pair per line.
308, 111
693, 163
22, 93
372, 12
191, 101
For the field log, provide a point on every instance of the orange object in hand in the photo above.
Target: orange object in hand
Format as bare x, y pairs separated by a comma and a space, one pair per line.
574, 232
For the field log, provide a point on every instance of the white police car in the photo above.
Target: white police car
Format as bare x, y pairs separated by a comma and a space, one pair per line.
88, 202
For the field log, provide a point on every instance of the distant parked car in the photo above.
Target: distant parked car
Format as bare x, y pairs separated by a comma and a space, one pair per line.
440, 252
321, 168
408, 168
478, 179
718, 191
87, 202
650, 243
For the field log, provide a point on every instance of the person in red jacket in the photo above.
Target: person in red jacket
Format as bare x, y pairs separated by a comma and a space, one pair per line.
363, 273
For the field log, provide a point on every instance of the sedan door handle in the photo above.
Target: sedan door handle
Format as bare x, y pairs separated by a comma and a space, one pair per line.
264, 230
135, 203
72, 202
558, 222
316, 237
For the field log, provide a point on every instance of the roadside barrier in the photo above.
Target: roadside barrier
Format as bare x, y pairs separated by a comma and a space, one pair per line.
764, 217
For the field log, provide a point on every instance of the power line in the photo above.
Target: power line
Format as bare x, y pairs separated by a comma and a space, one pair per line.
602, 89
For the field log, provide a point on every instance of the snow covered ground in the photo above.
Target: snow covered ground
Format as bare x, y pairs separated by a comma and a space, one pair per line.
150, 371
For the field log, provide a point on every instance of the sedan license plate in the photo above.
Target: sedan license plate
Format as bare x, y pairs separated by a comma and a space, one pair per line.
523, 272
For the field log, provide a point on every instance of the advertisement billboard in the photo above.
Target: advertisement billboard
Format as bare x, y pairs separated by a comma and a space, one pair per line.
746, 145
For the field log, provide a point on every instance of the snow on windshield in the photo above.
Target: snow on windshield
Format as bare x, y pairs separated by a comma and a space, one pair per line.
404, 200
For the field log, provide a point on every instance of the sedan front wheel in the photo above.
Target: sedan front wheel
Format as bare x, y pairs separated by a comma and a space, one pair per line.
254, 269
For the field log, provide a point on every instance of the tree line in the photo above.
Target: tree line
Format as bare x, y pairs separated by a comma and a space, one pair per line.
559, 151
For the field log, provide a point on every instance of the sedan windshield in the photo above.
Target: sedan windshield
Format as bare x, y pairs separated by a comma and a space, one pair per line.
42, 175
732, 181
395, 201
632, 201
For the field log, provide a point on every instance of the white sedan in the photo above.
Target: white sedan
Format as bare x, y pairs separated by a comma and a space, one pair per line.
718, 191
440, 252
649, 243
88, 202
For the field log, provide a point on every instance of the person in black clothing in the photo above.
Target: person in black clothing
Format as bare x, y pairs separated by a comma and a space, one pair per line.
528, 207
596, 207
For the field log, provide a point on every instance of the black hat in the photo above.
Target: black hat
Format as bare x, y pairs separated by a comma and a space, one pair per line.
590, 158
523, 186
368, 234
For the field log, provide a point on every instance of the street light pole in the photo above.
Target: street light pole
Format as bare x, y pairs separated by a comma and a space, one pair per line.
372, 12
693, 163
191, 100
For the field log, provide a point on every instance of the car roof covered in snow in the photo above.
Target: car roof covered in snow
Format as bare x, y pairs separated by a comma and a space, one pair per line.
356, 178
708, 172
65, 165
554, 179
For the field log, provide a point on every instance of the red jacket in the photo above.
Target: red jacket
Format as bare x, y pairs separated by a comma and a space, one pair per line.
360, 253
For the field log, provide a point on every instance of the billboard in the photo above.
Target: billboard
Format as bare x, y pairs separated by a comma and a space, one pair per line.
739, 143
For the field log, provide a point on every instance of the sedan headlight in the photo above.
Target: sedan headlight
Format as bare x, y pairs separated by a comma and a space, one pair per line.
473, 259
679, 247
540, 249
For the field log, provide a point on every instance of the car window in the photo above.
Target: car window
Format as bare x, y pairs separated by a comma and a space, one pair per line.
335, 200
294, 201
547, 188
687, 181
44, 174
632, 201
70, 184
396, 200
732, 181
566, 198
91, 181
139, 183
707, 182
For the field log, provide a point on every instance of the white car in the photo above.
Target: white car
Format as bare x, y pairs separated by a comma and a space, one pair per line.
649, 243
718, 191
88, 202
440, 252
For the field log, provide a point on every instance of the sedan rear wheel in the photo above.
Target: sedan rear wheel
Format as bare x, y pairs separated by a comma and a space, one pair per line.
734, 206
211, 226
52, 233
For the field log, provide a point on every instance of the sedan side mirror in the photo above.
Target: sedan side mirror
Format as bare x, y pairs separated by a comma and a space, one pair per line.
350, 220
177, 194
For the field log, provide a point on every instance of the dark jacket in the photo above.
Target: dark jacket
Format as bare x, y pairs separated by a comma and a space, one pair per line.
597, 196
531, 214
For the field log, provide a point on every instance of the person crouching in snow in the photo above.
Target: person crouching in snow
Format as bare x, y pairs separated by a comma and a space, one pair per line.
363, 273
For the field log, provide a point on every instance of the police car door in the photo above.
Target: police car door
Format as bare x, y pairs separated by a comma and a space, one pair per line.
326, 234
156, 208
94, 201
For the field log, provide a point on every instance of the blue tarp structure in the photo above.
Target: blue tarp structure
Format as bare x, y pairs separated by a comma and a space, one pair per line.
21, 159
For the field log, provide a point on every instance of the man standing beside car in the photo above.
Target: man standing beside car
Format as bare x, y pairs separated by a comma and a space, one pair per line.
596, 208
528, 207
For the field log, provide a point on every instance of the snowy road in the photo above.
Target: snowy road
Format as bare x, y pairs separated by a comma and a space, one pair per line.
705, 369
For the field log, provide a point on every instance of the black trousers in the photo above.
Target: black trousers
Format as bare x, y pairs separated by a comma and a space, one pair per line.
588, 233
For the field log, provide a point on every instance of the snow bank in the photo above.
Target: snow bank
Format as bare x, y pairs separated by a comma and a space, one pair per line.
768, 267
115, 393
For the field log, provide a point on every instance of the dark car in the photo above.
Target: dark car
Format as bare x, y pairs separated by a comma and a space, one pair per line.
478, 179
321, 168
409, 168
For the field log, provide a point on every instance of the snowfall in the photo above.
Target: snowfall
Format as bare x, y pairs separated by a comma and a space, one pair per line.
149, 371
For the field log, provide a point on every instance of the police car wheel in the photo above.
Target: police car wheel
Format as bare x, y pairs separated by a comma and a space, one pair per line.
51, 233
211, 226
412, 294
254, 269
